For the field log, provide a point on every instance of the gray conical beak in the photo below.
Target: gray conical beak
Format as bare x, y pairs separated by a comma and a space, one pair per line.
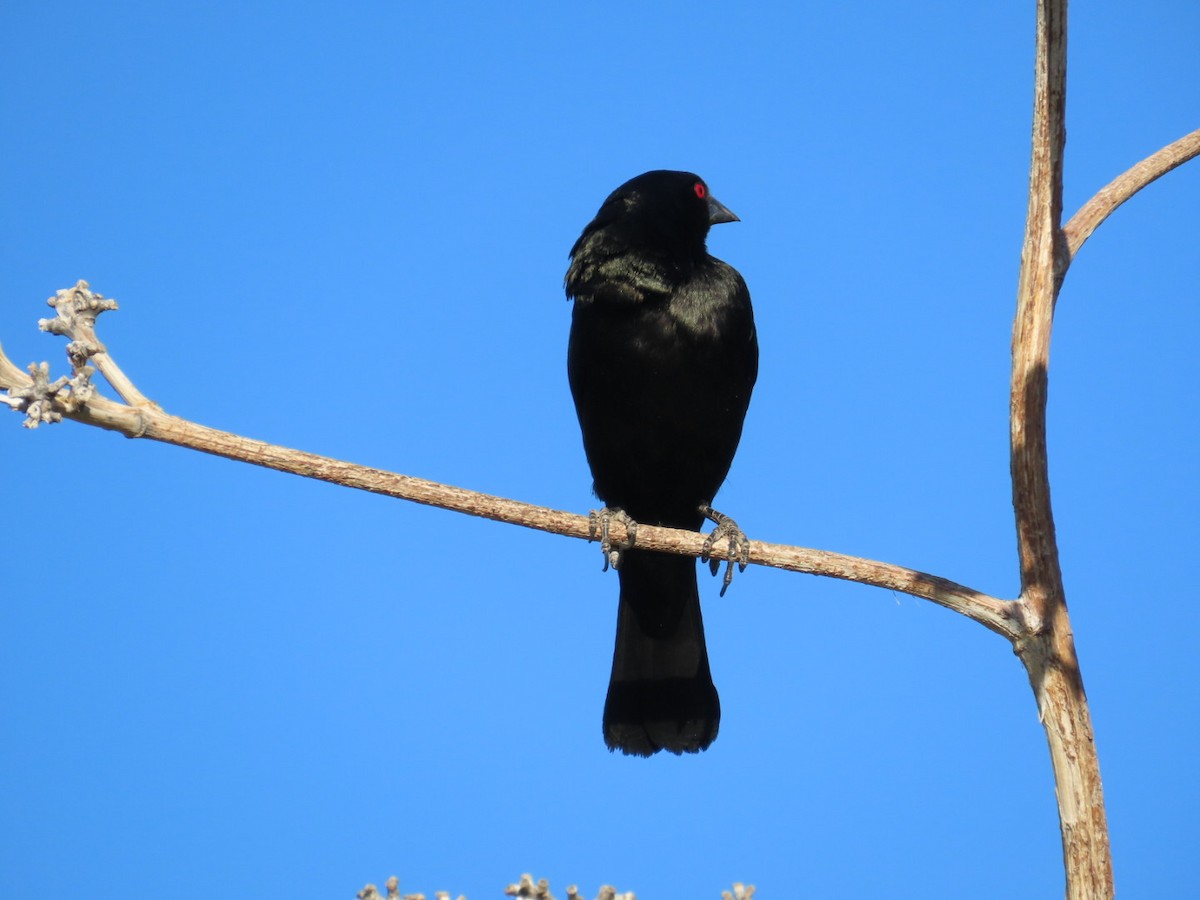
718, 212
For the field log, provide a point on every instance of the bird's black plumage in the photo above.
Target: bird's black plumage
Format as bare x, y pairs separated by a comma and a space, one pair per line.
662, 359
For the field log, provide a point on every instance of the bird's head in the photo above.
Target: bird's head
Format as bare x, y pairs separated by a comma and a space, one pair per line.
662, 210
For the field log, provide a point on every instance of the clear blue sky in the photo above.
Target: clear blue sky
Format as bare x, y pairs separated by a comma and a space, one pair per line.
343, 228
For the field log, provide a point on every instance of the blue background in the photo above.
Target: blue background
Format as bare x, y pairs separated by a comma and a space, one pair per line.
343, 228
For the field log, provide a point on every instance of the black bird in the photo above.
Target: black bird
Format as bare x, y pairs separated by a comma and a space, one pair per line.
662, 359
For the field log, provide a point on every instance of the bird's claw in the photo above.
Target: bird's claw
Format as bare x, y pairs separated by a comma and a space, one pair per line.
738, 546
599, 523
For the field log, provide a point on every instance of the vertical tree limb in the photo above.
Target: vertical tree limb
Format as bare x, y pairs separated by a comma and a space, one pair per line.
1048, 648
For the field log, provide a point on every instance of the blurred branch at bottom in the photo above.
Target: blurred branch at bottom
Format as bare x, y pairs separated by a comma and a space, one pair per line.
540, 890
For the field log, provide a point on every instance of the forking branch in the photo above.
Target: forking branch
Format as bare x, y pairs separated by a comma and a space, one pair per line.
1036, 623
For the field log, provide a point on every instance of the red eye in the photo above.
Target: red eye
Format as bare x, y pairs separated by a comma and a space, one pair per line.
700, 189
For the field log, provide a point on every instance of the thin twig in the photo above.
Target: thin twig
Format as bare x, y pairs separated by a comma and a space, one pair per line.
1124, 186
10, 375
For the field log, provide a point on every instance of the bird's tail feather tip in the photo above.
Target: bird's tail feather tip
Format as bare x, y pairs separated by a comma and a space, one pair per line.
676, 715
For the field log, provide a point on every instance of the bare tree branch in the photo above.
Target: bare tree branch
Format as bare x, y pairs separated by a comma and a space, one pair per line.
1124, 186
75, 399
10, 376
1048, 649
1041, 261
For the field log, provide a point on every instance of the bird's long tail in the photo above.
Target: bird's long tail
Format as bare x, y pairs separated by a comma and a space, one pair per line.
661, 696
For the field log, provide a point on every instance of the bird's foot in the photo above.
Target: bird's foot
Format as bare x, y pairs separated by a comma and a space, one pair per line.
738, 547
599, 523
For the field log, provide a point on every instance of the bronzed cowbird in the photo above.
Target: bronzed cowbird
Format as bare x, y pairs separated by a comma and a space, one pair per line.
662, 359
